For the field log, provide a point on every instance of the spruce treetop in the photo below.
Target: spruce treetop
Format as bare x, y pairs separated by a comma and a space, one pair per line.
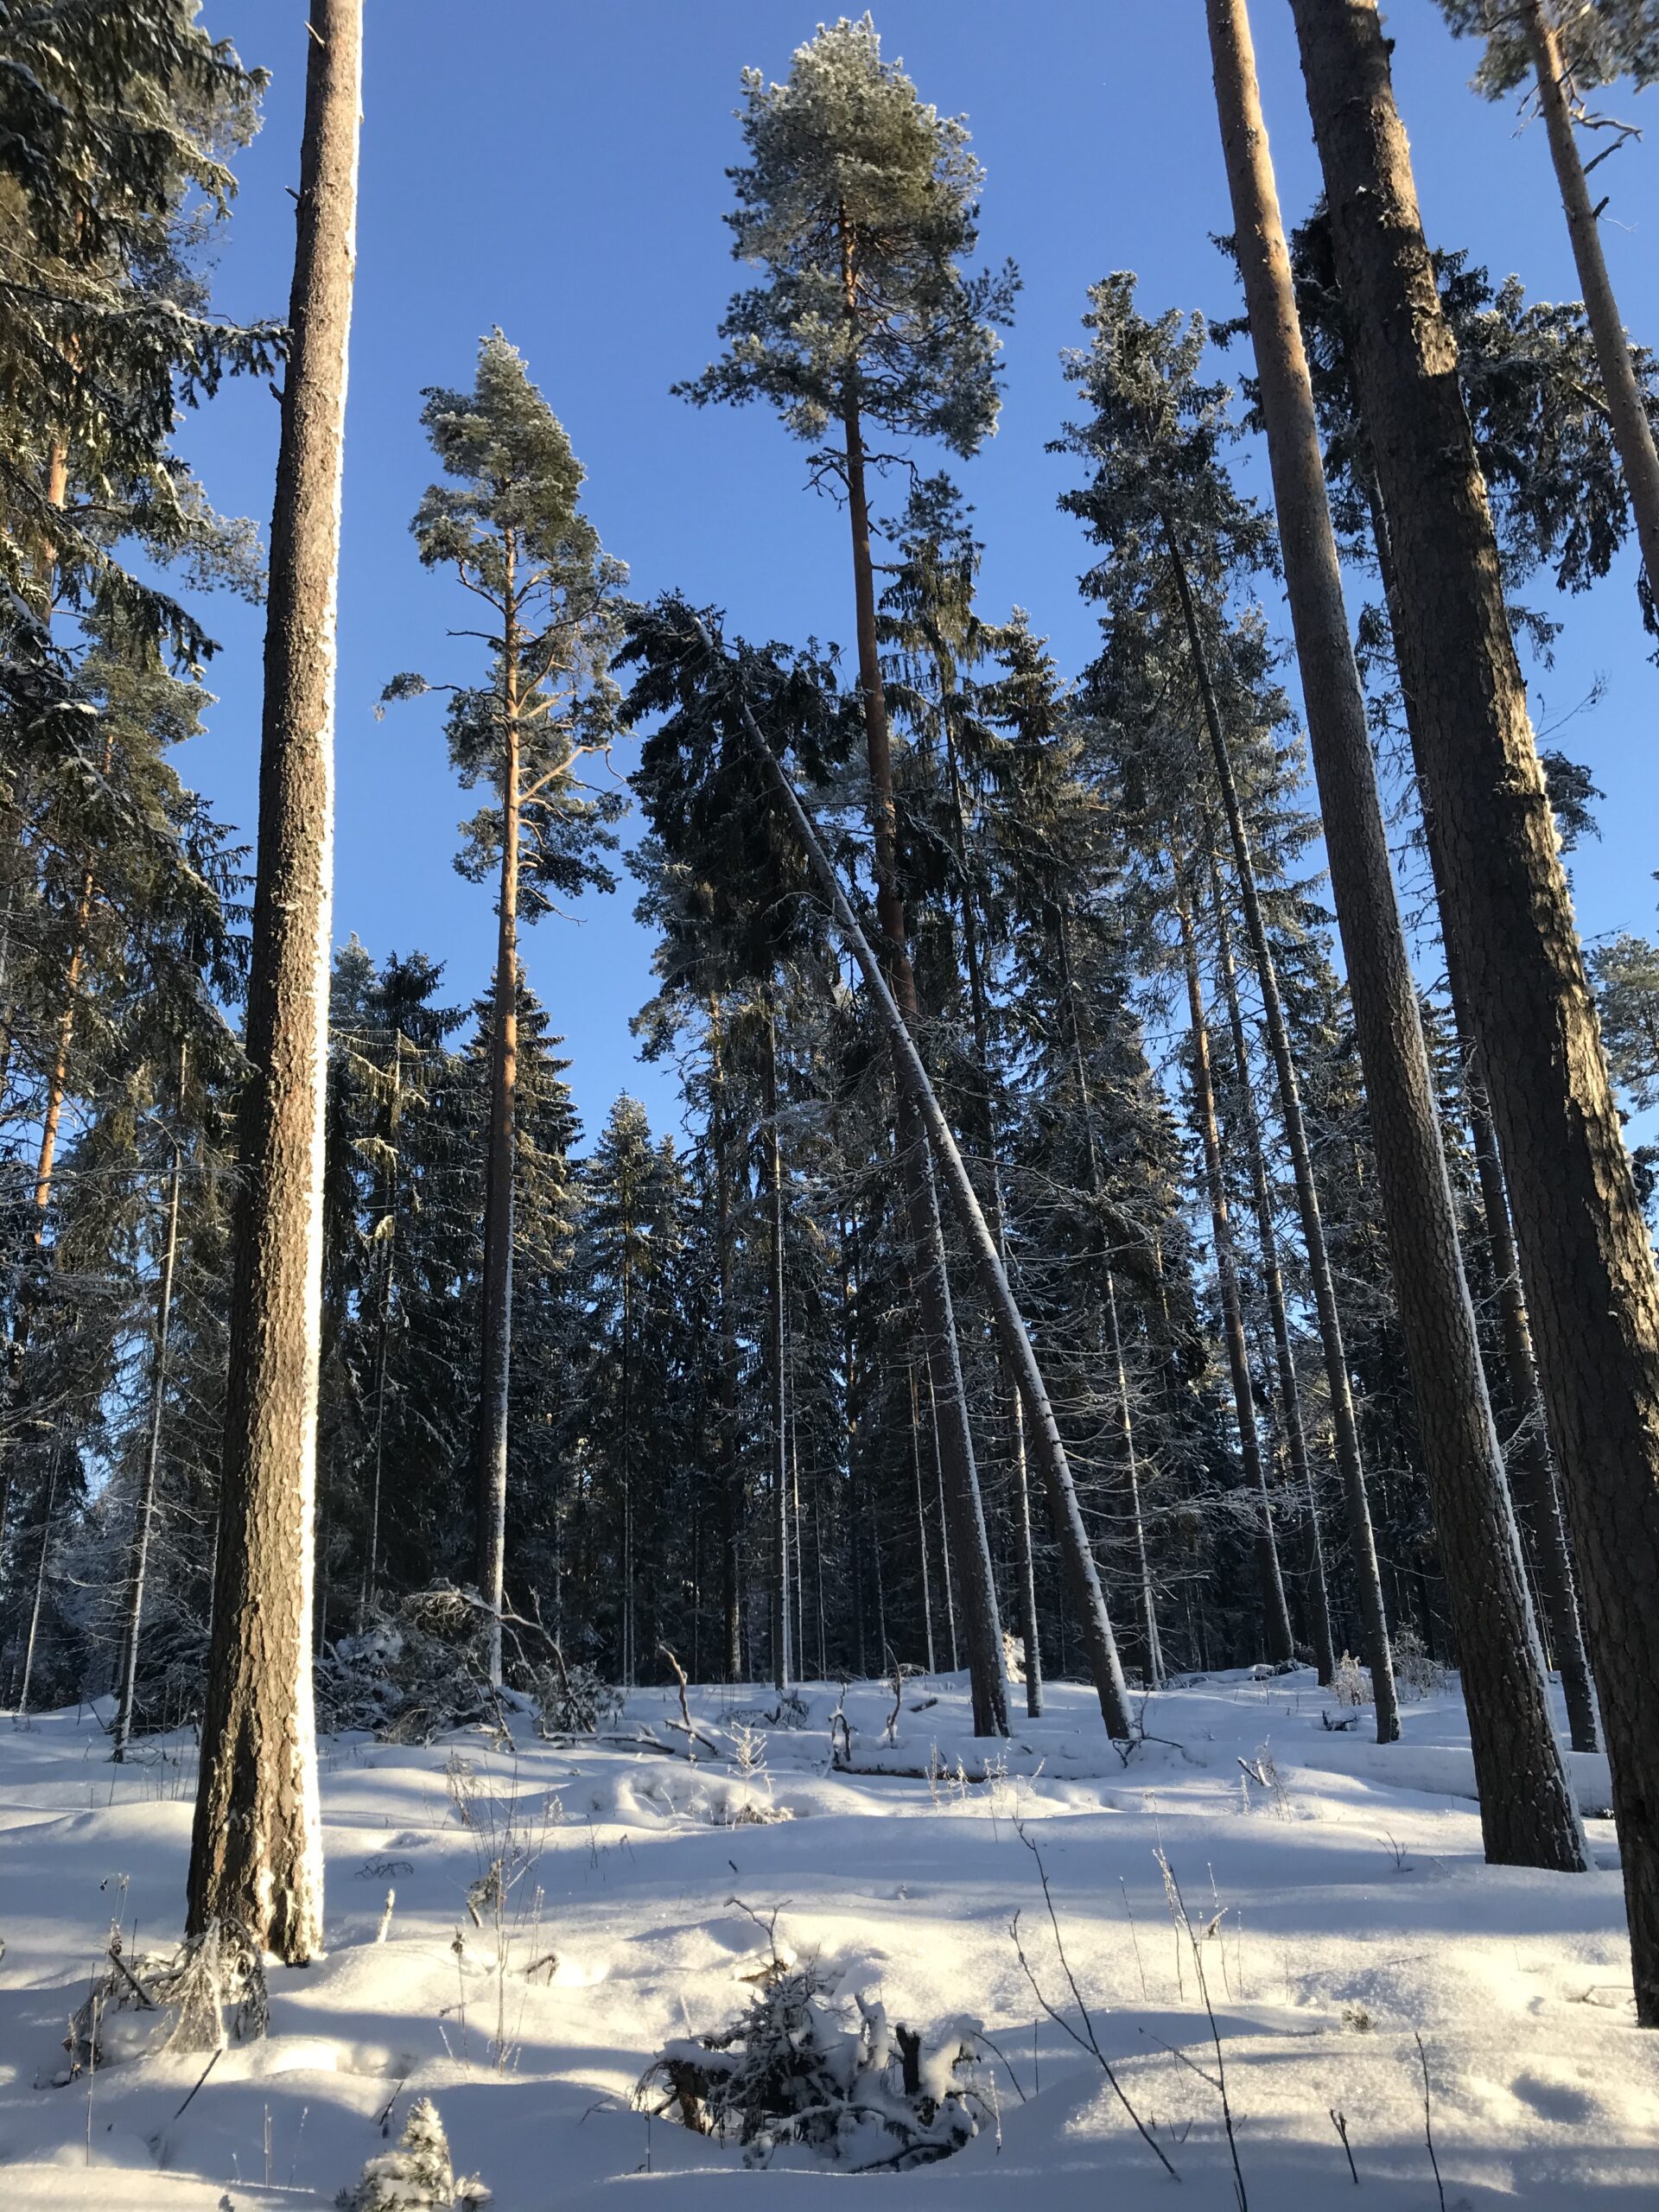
859, 202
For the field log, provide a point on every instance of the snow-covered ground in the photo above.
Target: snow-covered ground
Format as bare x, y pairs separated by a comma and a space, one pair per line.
1355, 1913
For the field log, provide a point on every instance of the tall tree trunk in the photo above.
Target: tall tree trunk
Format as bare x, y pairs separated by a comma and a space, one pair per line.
383, 1348
256, 1847
1528, 1814
731, 1471
967, 1517
495, 1356
1104, 1666
1281, 1644
1531, 1461
1587, 1267
1627, 415
40, 1564
1273, 1281
1531, 1470
985, 1113
921, 1525
782, 1668
144, 1515
1344, 1426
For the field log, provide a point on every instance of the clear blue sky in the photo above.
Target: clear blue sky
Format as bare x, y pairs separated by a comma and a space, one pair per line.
559, 169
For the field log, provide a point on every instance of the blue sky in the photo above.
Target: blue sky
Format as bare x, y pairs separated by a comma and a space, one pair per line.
559, 169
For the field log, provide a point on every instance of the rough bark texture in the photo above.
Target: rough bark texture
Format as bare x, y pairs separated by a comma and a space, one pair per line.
1082, 1578
1528, 1815
969, 1548
1627, 417
1586, 1265
257, 1850
1275, 1615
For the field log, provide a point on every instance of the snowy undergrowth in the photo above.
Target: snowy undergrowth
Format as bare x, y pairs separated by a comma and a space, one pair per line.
562, 1915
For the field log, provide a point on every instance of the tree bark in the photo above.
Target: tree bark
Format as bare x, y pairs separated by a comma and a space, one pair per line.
731, 1485
1273, 1281
1627, 416
255, 1851
1586, 1264
967, 1518
1275, 1615
1528, 1814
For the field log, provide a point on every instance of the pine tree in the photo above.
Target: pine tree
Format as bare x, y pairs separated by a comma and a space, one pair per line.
1526, 1810
256, 1847
1566, 52
1591, 1288
859, 205
510, 527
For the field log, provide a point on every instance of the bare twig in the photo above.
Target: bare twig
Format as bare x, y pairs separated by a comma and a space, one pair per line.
1339, 2121
1428, 2128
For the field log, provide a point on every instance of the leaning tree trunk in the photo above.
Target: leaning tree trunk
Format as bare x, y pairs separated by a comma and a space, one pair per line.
495, 1351
1281, 1644
144, 1515
1627, 415
968, 1538
1273, 1283
777, 1353
1588, 1269
257, 1847
1528, 1814
1104, 1666
1344, 1422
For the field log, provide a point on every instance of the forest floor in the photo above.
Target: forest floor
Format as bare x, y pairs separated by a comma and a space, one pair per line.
1340, 1906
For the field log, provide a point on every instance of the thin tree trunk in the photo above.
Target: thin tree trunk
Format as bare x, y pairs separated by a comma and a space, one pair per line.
1281, 1644
1627, 415
781, 1667
383, 1352
1273, 1283
1344, 1426
145, 1518
921, 1524
985, 1106
256, 1847
967, 1517
731, 1486
1586, 1264
39, 1570
1104, 1666
495, 1360
1531, 1470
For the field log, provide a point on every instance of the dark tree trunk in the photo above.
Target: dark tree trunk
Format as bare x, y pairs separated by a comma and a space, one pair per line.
256, 1847
145, 1514
1586, 1262
1344, 1426
1273, 1284
969, 1544
731, 1471
1528, 1814
1275, 1615
777, 1347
